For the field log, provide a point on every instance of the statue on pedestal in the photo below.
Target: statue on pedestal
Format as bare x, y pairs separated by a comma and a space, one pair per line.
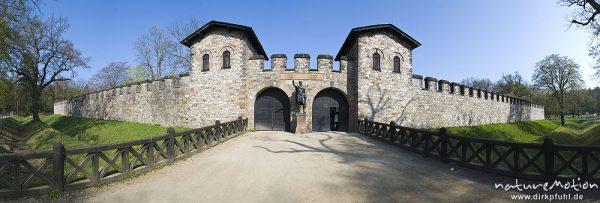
300, 96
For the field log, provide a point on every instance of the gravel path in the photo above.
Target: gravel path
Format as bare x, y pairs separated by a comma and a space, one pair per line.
316, 167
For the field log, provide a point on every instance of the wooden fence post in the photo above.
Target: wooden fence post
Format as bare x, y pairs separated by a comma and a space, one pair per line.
443, 133
548, 148
239, 124
171, 144
58, 166
218, 131
391, 131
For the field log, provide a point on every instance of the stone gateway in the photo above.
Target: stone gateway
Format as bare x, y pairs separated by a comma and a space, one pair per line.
229, 79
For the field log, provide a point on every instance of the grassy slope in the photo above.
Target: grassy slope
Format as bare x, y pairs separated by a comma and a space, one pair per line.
577, 132
77, 132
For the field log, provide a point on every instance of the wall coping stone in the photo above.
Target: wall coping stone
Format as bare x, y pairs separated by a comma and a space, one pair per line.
431, 79
278, 56
301, 56
324, 56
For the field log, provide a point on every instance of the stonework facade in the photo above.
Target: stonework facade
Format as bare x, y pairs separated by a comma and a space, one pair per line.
214, 91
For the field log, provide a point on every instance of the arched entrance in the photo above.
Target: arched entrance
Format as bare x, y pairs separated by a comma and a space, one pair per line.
330, 111
272, 110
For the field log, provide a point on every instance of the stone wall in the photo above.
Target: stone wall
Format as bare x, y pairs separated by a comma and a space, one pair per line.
441, 104
219, 93
224, 93
262, 79
163, 102
384, 96
381, 92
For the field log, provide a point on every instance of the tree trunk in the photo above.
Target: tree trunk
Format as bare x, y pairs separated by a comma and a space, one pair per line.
35, 96
562, 118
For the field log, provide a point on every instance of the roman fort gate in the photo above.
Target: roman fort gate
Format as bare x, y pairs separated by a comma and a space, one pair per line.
229, 79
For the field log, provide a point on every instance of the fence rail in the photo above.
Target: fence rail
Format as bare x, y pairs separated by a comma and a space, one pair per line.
70, 169
533, 161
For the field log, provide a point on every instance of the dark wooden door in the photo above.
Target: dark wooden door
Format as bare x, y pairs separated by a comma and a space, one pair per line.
330, 111
272, 111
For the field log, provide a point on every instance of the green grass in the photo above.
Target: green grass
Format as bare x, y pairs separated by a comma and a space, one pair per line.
79, 132
575, 132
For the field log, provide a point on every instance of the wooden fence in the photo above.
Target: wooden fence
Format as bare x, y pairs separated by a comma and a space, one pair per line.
70, 169
533, 161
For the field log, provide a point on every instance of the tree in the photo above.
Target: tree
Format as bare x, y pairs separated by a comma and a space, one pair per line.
111, 76
482, 84
181, 54
13, 12
557, 75
584, 16
513, 85
160, 52
137, 73
38, 56
154, 52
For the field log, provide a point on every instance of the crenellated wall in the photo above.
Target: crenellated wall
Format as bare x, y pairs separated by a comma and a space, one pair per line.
262, 78
162, 102
388, 93
439, 103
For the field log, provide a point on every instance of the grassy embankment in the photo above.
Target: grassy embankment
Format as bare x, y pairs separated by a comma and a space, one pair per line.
78, 132
575, 132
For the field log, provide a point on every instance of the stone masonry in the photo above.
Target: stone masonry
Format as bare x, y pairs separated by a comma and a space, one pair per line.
225, 93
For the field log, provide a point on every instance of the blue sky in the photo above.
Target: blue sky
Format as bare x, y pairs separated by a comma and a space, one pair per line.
460, 39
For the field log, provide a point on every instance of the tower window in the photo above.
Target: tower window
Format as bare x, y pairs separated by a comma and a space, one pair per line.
376, 62
396, 64
226, 57
205, 62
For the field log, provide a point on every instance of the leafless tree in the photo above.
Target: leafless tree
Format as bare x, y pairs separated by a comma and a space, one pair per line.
557, 75
160, 53
38, 56
181, 54
584, 16
482, 84
111, 76
154, 52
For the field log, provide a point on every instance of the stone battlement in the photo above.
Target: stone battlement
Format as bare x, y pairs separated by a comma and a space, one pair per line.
301, 63
229, 79
445, 87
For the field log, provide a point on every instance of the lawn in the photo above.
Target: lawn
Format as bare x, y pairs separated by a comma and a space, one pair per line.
575, 132
78, 132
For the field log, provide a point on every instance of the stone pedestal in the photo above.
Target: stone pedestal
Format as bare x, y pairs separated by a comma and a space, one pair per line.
301, 125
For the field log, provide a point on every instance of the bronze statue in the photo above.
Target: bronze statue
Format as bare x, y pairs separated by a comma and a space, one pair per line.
300, 96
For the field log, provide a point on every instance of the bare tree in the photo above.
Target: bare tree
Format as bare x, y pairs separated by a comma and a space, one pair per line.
181, 54
111, 76
513, 85
557, 75
154, 52
159, 52
584, 16
39, 56
482, 84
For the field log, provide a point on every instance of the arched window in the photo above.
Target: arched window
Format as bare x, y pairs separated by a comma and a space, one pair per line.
376, 62
396, 64
205, 62
226, 57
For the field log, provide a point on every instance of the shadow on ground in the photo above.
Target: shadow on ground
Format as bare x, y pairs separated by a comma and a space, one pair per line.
383, 172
